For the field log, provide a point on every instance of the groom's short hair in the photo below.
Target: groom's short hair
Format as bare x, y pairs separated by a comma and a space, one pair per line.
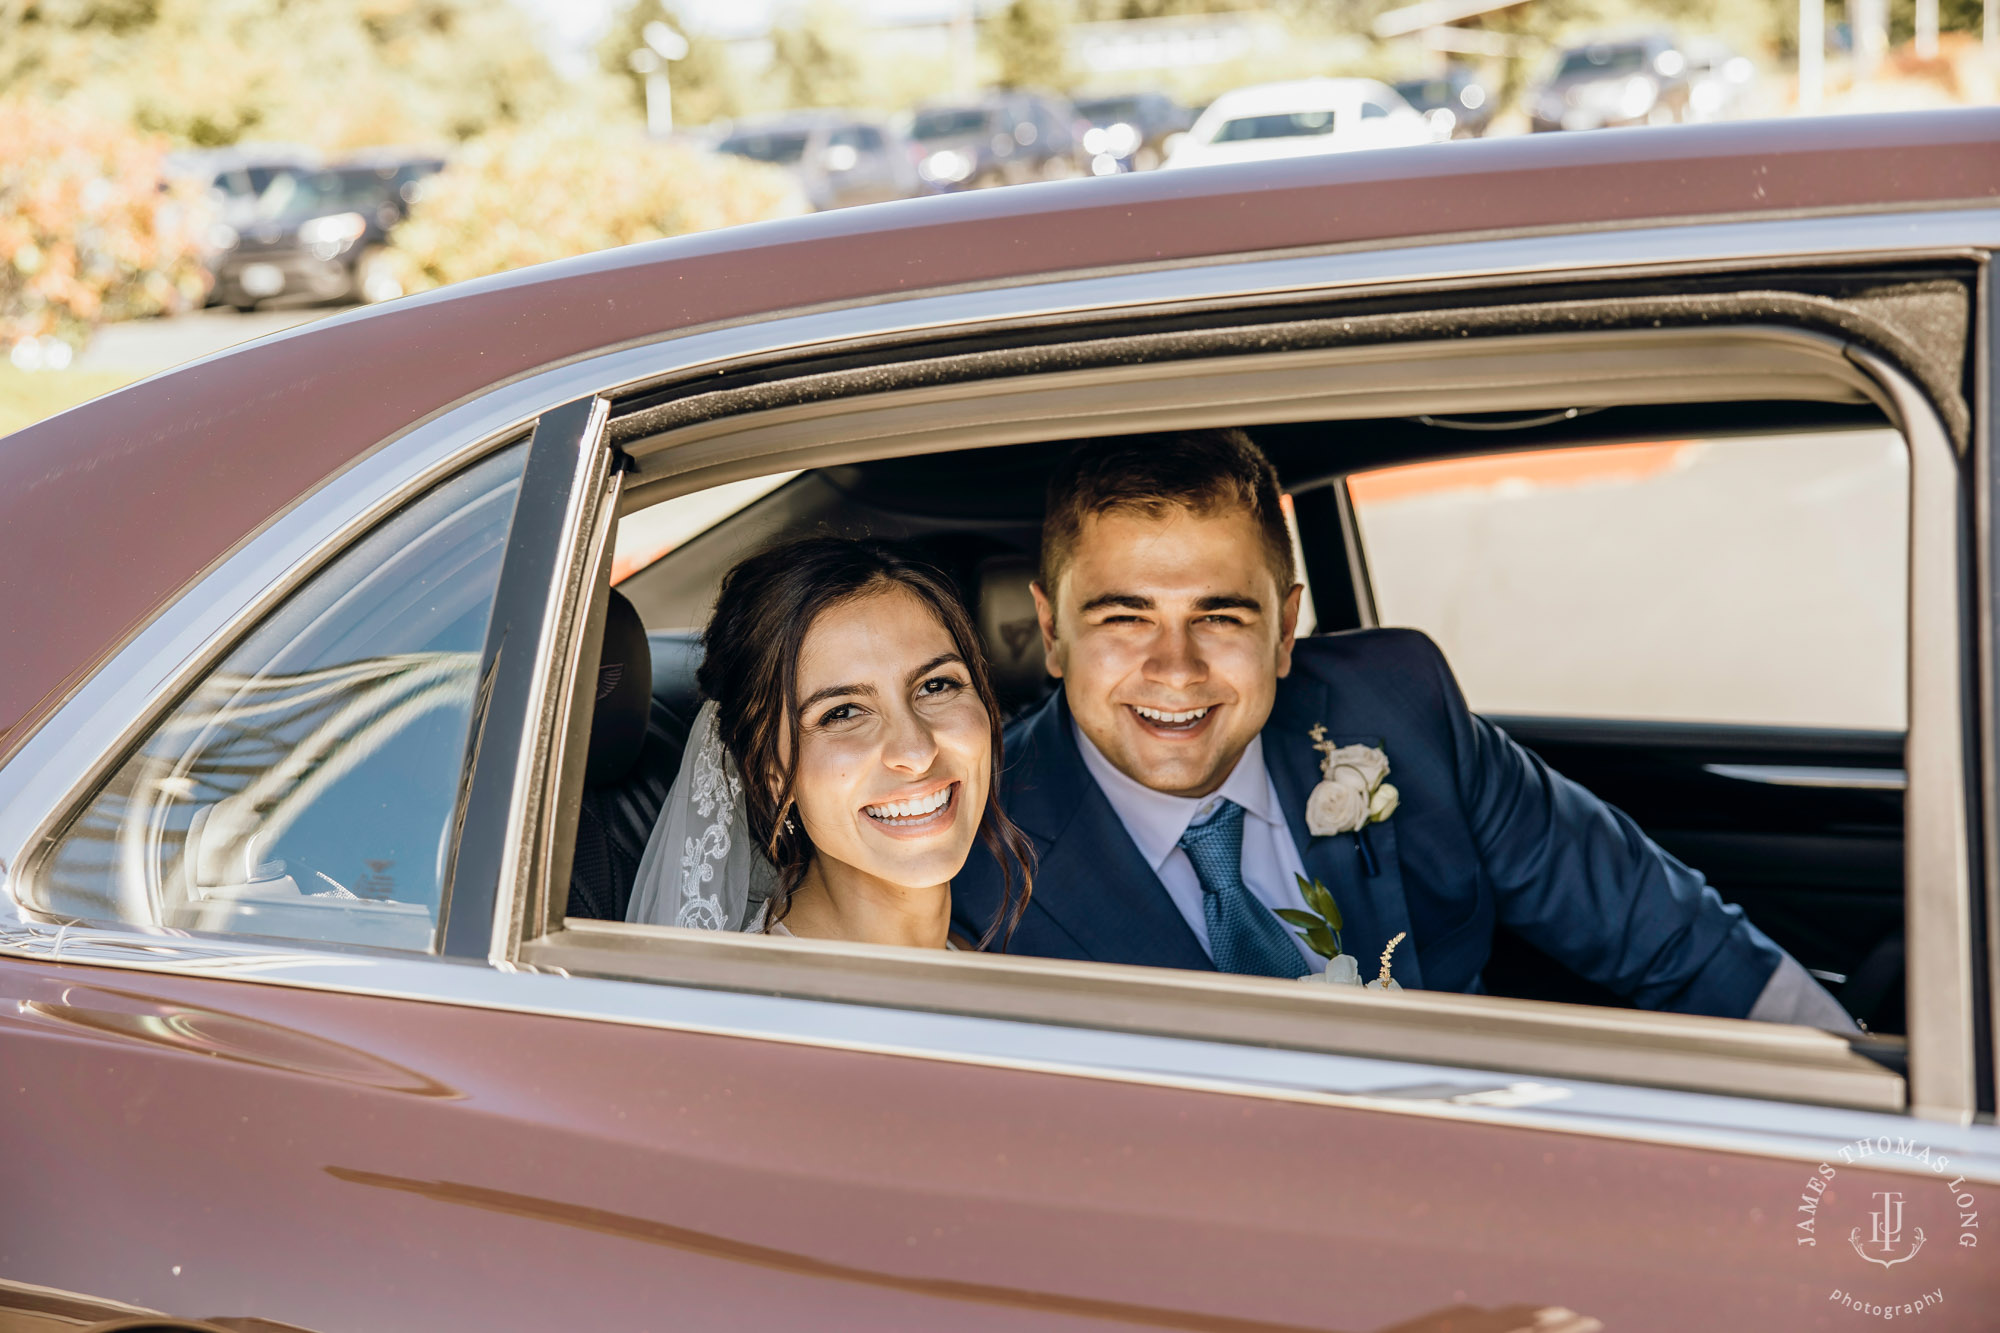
1203, 471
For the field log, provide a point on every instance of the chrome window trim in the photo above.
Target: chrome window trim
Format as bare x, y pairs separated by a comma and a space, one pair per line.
1785, 1130
1937, 848
44, 778
1813, 775
1986, 438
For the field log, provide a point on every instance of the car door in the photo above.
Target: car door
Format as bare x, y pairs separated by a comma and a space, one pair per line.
866, 1000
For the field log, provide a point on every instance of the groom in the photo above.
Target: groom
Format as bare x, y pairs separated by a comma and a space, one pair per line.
1166, 784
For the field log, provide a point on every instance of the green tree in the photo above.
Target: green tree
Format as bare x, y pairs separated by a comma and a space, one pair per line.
705, 84
334, 73
1101, 11
1953, 16
817, 59
1029, 40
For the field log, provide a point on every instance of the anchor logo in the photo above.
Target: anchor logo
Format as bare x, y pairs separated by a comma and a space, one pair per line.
1886, 1232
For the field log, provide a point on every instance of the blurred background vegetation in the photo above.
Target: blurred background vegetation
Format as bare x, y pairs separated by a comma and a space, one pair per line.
333, 73
539, 111
564, 188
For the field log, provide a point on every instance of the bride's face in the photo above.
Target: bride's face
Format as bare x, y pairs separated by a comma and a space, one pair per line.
895, 748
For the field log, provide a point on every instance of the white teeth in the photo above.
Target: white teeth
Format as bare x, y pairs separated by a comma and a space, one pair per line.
911, 809
1158, 715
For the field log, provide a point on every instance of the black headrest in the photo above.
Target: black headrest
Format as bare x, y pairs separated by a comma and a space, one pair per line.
1009, 630
624, 695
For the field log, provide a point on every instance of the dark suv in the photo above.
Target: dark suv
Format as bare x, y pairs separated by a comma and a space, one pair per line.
999, 139
839, 159
1459, 92
318, 234
1130, 132
1637, 81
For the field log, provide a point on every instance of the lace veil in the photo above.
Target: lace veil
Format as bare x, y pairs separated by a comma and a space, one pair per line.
700, 869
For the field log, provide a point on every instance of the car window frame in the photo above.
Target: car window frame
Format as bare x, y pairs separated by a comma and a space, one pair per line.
588, 948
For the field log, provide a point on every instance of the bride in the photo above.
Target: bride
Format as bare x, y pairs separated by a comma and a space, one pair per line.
843, 762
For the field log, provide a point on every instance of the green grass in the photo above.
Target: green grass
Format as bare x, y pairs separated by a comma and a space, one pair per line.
26, 397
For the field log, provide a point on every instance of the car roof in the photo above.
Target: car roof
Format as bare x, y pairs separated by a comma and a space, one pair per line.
1293, 95
112, 507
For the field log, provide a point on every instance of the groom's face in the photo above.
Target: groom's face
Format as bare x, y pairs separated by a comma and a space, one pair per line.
1169, 635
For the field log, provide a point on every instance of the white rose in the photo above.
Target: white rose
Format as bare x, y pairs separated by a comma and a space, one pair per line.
1378, 984
1335, 808
1343, 970
1347, 775
1384, 802
1367, 761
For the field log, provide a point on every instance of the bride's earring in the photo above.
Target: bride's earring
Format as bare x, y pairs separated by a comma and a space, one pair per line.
790, 827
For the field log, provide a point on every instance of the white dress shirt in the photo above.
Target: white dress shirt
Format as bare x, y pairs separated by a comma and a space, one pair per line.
1156, 820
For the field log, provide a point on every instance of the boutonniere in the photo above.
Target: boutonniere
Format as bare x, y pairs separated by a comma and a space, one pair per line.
1320, 929
1352, 793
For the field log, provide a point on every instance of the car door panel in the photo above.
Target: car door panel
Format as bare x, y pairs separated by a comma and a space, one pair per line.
563, 1171
1803, 828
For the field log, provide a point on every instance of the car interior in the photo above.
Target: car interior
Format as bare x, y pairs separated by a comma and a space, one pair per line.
1818, 867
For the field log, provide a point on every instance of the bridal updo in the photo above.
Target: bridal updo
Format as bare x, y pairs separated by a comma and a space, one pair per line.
750, 659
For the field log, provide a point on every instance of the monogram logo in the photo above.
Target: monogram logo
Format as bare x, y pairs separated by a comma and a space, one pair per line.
1885, 1234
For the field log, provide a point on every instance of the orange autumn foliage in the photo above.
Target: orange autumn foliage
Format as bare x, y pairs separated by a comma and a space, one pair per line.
89, 230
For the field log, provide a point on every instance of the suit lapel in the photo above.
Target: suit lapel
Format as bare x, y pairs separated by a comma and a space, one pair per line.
1372, 906
1092, 881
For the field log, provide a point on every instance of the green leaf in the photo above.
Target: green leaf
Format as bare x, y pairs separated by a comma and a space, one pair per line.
1321, 941
1303, 920
1322, 902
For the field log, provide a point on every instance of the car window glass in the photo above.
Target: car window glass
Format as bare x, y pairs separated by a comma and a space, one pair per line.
1589, 61
1110, 110
780, 149
1373, 111
1751, 580
848, 137
1287, 125
949, 123
306, 787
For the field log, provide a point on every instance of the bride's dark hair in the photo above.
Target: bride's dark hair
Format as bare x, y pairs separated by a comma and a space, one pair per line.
750, 667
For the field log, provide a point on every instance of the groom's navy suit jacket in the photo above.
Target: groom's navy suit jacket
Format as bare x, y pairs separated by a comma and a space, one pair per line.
1486, 834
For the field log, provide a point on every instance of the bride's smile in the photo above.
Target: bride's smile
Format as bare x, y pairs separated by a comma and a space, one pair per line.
916, 816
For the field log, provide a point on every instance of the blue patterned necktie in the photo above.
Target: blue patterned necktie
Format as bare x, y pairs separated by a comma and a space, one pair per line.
1243, 936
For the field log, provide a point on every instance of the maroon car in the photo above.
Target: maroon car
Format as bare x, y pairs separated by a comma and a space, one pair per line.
309, 1015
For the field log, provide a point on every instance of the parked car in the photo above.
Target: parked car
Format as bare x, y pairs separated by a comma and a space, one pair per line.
317, 234
1640, 81
1004, 138
1458, 102
1721, 83
233, 178
300, 717
839, 159
1301, 119
1130, 132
